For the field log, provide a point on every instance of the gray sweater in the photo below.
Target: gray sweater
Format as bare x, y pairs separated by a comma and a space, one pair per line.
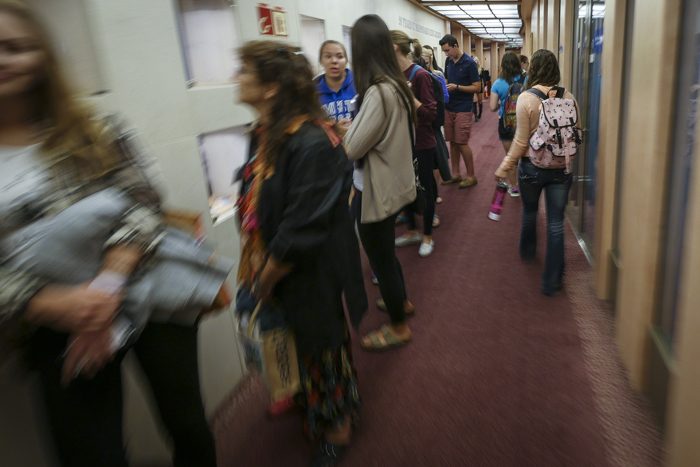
383, 141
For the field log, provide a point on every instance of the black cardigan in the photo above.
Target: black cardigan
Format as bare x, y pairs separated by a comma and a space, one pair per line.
305, 222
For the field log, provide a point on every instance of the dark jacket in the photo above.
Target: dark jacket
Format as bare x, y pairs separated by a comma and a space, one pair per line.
305, 221
423, 90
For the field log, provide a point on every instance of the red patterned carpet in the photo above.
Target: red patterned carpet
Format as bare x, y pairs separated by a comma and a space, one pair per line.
497, 374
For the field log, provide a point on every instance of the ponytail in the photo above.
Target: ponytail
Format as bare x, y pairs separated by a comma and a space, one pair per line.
417, 49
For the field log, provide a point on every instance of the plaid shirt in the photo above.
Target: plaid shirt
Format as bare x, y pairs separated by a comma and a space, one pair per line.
141, 225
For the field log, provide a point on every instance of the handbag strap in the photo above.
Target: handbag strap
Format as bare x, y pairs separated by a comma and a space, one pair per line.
253, 319
411, 129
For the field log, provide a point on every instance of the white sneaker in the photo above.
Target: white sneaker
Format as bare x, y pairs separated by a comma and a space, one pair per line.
408, 239
426, 249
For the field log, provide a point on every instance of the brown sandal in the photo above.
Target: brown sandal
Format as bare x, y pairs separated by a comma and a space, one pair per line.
383, 339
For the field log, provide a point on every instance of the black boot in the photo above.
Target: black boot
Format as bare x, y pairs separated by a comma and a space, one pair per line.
481, 108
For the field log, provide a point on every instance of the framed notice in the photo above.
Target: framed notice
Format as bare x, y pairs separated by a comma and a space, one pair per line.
279, 22
264, 20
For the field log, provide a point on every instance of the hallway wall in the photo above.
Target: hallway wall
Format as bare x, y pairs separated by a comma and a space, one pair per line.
631, 199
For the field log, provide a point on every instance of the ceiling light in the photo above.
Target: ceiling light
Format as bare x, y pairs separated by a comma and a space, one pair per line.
442, 8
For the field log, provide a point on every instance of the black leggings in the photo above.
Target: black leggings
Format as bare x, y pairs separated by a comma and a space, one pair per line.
85, 417
378, 241
426, 177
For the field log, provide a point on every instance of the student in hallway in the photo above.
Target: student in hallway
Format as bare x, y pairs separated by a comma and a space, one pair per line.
506, 90
54, 154
335, 86
443, 152
299, 250
379, 141
462, 82
425, 147
539, 171
524, 63
479, 96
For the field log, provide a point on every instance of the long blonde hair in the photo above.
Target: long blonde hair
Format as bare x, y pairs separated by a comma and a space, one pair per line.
68, 124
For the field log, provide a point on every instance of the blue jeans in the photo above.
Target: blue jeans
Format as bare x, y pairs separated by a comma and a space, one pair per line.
556, 185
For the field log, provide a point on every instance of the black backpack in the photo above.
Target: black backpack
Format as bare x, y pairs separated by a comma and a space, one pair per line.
439, 96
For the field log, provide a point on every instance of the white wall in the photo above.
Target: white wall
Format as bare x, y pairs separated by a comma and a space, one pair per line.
398, 14
313, 33
67, 22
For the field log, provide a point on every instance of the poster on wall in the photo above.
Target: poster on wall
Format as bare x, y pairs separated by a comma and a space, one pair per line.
272, 21
279, 22
265, 20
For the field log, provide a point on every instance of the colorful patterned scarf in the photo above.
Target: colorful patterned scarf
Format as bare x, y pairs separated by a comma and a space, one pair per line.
256, 171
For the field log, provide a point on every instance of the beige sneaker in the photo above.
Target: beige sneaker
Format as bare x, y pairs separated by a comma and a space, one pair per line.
467, 182
408, 239
451, 181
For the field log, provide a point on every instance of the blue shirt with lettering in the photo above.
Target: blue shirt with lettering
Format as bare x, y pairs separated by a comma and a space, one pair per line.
338, 105
464, 72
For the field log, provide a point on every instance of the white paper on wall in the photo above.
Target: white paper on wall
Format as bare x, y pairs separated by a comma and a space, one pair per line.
209, 40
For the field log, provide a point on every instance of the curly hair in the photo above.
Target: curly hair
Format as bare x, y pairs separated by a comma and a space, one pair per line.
510, 67
275, 62
544, 69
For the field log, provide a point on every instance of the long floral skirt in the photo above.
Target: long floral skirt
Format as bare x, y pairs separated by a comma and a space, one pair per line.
329, 393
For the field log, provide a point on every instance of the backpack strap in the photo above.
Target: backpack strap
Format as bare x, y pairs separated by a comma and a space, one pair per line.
558, 89
414, 70
538, 93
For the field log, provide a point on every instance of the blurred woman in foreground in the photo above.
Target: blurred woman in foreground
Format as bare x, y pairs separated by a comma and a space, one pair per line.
53, 155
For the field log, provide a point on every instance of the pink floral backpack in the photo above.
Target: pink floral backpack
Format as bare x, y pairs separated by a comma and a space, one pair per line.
557, 138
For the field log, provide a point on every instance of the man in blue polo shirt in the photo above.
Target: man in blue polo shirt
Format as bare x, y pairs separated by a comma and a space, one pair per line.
463, 81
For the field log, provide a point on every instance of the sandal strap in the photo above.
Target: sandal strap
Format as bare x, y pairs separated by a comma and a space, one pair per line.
384, 337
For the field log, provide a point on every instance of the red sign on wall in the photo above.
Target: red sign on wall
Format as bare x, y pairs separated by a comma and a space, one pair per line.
272, 21
265, 20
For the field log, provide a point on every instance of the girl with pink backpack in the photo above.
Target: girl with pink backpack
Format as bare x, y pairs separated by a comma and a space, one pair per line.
546, 139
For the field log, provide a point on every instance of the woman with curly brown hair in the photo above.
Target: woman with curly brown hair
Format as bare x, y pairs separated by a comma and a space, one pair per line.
299, 247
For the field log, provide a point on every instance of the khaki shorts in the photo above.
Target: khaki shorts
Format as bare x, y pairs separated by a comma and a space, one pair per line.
458, 126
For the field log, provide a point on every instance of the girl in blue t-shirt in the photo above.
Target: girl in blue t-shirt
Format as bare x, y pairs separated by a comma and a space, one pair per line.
335, 86
511, 73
